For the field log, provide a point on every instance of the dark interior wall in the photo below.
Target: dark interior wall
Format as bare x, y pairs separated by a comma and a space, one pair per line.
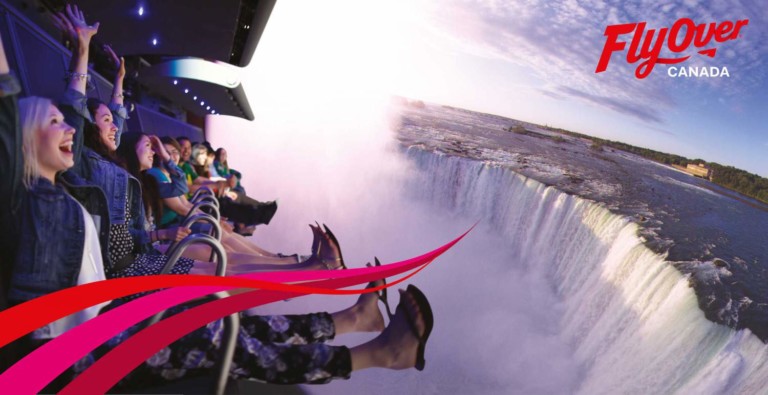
40, 62
152, 122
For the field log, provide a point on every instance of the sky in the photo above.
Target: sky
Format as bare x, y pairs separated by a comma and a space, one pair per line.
532, 60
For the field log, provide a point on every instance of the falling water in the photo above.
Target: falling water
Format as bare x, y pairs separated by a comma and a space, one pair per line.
631, 319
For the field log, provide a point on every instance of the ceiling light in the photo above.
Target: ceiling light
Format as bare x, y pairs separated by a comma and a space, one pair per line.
154, 41
141, 11
194, 98
186, 90
175, 82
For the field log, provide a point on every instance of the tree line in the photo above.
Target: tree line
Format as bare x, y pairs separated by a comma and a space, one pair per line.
738, 180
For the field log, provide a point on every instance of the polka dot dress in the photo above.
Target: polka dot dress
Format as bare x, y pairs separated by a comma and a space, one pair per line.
148, 265
121, 244
120, 239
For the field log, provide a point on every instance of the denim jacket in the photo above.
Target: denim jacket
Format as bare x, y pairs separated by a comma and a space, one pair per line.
52, 237
117, 184
43, 227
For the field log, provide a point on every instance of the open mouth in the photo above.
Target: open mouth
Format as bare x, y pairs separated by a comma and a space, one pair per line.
66, 147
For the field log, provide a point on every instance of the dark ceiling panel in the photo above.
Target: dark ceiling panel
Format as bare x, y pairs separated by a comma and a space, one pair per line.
185, 30
199, 28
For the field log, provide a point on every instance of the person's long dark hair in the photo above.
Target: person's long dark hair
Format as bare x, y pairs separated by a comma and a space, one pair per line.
150, 195
218, 159
92, 134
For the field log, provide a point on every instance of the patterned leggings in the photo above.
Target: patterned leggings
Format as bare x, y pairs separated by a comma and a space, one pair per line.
280, 349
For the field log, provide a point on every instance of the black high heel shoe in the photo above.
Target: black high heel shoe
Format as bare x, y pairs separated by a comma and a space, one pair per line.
340, 259
382, 293
315, 250
429, 322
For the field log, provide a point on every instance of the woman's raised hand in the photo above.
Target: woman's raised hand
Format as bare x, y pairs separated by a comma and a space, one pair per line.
159, 148
80, 26
61, 21
119, 62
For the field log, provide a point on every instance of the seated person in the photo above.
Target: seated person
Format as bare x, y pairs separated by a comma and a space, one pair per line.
221, 165
59, 247
185, 152
130, 244
163, 190
235, 206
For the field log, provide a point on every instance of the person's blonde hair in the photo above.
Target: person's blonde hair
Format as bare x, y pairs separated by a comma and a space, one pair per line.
197, 149
33, 112
202, 170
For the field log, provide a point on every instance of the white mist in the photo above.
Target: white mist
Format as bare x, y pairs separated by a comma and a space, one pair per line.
550, 294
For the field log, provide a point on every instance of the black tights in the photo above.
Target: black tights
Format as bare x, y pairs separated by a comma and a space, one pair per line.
246, 210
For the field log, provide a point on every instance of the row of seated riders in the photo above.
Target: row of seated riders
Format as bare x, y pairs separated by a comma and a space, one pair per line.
83, 202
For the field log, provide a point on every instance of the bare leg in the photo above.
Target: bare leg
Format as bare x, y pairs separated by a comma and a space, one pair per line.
201, 252
326, 257
238, 243
206, 267
235, 243
396, 347
363, 316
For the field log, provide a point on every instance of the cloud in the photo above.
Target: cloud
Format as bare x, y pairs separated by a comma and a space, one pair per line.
554, 95
661, 130
616, 104
561, 41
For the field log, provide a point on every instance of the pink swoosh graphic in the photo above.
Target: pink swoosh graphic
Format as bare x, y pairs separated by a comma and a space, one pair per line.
62, 352
108, 370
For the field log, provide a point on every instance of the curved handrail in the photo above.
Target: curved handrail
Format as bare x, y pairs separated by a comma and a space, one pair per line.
199, 217
231, 322
204, 217
228, 345
200, 191
218, 249
207, 198
204, 204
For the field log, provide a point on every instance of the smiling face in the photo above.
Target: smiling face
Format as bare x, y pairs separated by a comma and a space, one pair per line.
175, 154
144, 153
53, 142
186, 150
107, 128
200, 157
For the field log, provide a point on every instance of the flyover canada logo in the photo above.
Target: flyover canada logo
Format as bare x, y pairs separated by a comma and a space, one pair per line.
684, 32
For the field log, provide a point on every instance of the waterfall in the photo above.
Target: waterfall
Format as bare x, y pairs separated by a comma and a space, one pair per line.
630, 317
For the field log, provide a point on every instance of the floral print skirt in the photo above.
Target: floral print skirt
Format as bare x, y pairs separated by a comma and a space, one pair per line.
278, 349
